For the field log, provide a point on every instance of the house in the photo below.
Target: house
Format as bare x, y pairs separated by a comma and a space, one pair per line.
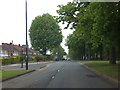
7, 50
3, 53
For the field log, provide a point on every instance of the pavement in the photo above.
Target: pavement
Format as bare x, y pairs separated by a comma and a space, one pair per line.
62, 74
31, 66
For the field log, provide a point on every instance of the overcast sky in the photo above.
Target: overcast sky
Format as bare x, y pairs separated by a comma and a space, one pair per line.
12, 18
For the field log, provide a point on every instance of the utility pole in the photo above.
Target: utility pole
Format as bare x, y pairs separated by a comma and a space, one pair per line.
21, 58
26, 36
12, 52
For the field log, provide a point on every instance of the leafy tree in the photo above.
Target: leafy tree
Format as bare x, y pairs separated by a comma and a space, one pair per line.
45, 33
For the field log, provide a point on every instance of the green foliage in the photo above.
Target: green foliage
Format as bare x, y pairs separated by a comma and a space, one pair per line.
43, 58
22, 58
6, 61
45, 33
96, 28
48, 57
39, 58
59, 51
12, 60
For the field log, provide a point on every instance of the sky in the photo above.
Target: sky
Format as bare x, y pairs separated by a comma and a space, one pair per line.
12, 18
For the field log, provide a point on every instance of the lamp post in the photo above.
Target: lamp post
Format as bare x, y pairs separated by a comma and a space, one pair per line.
26, 36
21, 58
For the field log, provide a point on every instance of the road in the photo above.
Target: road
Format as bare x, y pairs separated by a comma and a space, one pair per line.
62, 74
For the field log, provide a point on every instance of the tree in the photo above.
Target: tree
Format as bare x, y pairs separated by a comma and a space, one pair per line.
45, 33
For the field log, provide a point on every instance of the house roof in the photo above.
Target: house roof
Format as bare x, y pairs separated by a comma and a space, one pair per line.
18, 48
6, 46
11, 47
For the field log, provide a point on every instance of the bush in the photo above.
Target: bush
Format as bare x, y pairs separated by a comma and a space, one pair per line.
31, 58
48, 57
12, 60
18, 59
39, 58
6, 61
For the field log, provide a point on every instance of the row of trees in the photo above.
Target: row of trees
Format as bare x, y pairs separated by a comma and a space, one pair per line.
96, 29
59, 52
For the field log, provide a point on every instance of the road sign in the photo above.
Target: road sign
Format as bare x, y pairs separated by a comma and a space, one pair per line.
24, 46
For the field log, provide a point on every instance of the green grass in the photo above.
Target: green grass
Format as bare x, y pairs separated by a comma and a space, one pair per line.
11, 73
104, 67
0, 75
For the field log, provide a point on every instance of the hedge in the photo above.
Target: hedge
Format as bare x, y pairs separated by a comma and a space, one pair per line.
12, 60
18, 59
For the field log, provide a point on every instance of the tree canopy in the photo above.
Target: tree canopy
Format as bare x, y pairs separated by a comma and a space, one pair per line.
96, 26
45, 33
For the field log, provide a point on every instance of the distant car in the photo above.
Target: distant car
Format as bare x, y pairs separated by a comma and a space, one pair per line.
64, 59
56, 58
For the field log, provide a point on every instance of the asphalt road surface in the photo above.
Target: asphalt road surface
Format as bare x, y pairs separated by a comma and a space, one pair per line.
62, 74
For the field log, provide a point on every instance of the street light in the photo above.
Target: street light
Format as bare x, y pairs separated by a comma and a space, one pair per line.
21, 58
26, 36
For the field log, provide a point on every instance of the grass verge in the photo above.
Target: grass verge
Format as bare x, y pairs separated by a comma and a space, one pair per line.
12, 73
105, 68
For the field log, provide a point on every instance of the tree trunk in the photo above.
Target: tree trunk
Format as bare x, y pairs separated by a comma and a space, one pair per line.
96, 56
84, 52
89, 53
112, 55
101, 51
44, 51
108, 55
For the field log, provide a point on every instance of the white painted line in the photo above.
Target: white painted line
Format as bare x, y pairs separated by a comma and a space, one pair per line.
80, 63
48, 65
41, 69
53, 77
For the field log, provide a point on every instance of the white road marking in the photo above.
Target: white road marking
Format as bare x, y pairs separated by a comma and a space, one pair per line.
81, 63
48, 65
41, 68
53, 77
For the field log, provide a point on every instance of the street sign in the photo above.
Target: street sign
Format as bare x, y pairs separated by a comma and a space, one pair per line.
24, 46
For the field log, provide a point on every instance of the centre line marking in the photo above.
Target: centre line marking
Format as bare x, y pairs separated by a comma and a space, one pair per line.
53, 77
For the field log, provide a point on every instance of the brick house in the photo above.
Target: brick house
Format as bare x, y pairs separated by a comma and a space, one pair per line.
7, 50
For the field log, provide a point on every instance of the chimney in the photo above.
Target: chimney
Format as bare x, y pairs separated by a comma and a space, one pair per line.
11, 42
19, 45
